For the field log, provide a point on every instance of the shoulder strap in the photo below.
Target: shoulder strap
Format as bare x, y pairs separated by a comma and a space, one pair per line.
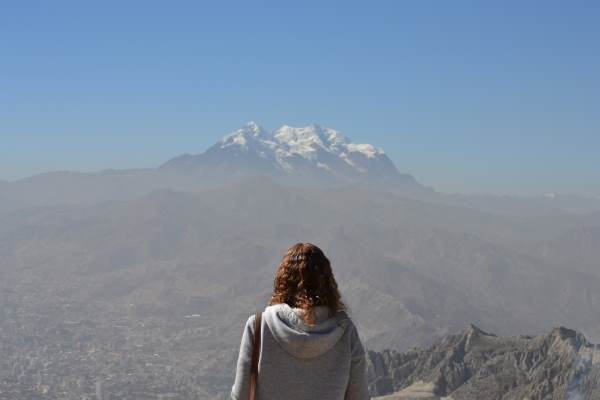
255, 354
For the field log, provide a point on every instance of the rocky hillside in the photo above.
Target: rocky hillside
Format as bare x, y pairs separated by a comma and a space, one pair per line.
479, 365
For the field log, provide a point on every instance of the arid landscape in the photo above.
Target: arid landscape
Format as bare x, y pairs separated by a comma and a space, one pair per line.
138, 282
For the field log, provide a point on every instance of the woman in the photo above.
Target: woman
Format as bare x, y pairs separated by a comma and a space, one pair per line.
310, 349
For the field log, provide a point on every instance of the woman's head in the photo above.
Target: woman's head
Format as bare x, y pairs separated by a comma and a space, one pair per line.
304, 279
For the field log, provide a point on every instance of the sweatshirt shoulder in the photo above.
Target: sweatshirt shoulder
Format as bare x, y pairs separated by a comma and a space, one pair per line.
355, 339
250, 320
350, 326
250, 323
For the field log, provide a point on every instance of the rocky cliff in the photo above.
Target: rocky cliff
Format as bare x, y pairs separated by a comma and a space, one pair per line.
561, 365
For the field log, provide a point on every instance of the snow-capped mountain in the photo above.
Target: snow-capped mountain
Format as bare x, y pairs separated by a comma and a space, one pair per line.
310, 153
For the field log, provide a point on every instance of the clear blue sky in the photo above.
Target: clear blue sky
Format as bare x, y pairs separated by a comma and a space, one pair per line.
475, 96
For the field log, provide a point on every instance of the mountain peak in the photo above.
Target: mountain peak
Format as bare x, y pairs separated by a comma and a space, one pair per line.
473, 329
252, 124
249, 131
254, 129
312, 152
476, 368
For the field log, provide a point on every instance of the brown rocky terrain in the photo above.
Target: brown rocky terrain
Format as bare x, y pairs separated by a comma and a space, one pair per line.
561, 365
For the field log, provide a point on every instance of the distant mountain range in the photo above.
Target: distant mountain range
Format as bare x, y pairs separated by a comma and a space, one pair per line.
305, 156
476, 365
311, 154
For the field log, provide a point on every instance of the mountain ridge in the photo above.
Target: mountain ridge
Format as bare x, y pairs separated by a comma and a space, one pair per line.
474, 364
307, 156
313, 153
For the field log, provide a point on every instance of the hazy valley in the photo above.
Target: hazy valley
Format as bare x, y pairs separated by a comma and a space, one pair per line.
145, 277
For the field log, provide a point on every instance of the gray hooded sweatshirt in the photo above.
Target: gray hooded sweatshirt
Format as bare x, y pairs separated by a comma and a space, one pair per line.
297, 361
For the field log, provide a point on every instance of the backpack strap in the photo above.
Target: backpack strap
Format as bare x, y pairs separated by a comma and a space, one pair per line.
255, 355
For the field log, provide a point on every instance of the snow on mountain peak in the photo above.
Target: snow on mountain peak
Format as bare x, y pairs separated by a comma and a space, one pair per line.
243, 135
368, 150
313, 142
310, 153
253, 127
301, 141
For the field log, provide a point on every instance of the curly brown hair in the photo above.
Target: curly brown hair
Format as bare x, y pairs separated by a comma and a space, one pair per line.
304, 279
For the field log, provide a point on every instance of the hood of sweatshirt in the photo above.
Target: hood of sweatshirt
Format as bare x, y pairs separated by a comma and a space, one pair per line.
300, 339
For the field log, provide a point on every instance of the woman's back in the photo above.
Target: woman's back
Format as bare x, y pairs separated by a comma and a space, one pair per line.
325, 360
310, 348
